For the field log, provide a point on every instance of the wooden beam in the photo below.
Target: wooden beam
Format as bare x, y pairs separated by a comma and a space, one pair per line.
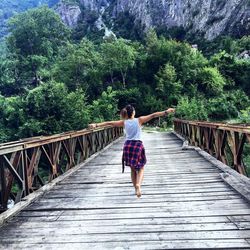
13, 171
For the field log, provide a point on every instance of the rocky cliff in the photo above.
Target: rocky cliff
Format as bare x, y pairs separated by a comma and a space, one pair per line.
208, 17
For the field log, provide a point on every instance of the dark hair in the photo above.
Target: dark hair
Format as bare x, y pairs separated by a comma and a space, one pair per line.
127, 112
124, 113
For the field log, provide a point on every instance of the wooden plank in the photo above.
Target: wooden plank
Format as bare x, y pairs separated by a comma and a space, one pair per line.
185, 205
66, 236
229, 244
24, 221
121, 215
95, 214
77, 204
145, 199
237, 218
34, 196
124, 185
237, 181
86, 229
166, 193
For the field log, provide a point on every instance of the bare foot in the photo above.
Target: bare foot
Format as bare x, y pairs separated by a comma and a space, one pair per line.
138, 191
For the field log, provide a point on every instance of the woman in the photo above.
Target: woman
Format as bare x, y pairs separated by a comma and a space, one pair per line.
133, 150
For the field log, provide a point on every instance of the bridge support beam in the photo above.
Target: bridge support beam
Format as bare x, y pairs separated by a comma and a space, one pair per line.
27, 165
224, 141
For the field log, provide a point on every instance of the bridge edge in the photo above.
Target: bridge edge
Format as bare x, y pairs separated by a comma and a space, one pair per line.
27, 200
240, 183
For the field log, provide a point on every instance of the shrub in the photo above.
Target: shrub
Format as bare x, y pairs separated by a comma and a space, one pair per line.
244, 115
192, 109
50, 109
105, 107
220, 108
211, 81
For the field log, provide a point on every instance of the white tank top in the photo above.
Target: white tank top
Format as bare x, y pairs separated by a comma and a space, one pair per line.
132, 129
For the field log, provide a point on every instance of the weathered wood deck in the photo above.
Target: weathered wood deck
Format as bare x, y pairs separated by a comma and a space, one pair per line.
185, 205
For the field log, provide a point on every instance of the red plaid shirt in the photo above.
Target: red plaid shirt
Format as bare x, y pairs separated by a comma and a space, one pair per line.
133, 155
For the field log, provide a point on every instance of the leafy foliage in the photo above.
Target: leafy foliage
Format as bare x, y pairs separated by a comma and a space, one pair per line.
51, 108
167, 84
35, 39
50, 83
244, 115
127, 27
105, 107
211, 81
192, 109
118, 56
79, 66
10, 8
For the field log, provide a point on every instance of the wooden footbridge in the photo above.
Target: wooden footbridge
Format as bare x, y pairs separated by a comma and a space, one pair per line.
70, 193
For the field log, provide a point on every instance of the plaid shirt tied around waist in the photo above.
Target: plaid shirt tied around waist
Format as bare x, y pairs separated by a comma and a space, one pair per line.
133, 154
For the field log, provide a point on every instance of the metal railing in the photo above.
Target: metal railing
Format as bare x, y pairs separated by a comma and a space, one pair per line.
28, 164
229, 143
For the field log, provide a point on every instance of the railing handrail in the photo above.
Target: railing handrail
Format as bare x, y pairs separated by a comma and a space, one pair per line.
20, 160
31, 142
245, 128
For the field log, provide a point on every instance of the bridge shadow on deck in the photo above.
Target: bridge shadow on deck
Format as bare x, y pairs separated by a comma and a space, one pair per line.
185, 205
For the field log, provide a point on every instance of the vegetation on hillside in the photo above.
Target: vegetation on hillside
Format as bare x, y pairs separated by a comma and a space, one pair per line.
10, 8
51, 83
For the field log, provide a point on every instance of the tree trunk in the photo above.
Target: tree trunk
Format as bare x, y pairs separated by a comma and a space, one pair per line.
111, 77
123, 79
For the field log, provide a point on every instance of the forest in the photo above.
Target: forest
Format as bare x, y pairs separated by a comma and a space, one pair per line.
51, 82
9, 8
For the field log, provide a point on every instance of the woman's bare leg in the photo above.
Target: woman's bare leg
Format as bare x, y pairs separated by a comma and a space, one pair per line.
140, 176
133, 177
139, 179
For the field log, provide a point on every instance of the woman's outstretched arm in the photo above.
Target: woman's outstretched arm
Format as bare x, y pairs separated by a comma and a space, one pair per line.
146, 118
109, 123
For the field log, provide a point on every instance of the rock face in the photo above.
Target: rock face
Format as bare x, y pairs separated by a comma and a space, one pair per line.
95, 5
212, 17
209, 17
69, 13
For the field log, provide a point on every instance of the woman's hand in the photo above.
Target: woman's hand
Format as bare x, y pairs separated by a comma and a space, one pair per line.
170, 110
92, 126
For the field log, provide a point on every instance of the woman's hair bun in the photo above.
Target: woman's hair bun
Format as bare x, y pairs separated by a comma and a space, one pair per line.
124, 114
130, 109
127, 112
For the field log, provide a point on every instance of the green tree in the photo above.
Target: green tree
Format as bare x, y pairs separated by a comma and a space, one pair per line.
129, 96
79, 66
244, 115
221, 108
118, 56
192, 108
12, 116
235, 70
105, 107
50, 109
211, 82
186, 60
243, 43
227, 105
9, 82
168, 86
35, 38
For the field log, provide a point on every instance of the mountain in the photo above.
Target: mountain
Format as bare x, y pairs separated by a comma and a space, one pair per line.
8, 8
210, 18
131, 18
